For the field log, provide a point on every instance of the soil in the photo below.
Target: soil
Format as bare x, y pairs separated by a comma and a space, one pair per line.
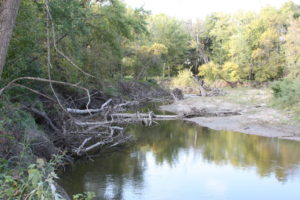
255, 115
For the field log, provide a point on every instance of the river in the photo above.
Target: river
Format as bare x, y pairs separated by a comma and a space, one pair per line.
177, 160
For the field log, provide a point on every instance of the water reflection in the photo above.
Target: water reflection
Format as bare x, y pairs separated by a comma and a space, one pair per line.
190, 162
221, 147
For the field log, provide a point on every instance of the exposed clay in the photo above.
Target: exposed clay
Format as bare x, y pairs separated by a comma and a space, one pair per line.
255, 116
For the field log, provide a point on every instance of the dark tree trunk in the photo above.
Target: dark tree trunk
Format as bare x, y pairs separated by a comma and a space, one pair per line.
8, 13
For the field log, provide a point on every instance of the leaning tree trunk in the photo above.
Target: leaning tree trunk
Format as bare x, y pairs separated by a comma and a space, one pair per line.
8, 13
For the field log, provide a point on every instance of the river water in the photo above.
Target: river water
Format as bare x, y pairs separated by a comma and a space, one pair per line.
181, 161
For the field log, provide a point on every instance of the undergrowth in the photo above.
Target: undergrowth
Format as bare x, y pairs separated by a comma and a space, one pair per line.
287, 95
22, 174
185, 81
29, 181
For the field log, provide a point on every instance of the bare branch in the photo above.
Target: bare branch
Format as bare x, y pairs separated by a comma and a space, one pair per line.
78, 111
78, 150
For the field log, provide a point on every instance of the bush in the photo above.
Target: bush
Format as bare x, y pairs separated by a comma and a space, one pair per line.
210, 71
287, 95
184, 79
286, 92
32, 181
230, 72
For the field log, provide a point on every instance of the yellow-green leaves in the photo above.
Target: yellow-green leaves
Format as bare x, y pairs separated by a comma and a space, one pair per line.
184, 79
210, 71
292, 49
230, 72
158, 49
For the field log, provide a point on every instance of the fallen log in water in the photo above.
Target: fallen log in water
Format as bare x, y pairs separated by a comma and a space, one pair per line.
88, 111
144, 115
121, 118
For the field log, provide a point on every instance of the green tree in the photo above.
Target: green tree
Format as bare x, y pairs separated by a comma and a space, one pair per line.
172, 34
292, 49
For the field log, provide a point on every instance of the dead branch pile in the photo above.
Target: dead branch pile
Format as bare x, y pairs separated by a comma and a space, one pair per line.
102, 127
87, 131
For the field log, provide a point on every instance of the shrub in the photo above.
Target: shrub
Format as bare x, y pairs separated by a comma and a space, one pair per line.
184, 79
287, 95
230, 72
286, 92
33, 181
210, 71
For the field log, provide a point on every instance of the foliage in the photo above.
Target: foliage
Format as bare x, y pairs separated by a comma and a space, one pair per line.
145, 60
184, 79
84, 196
91, 34
13, 119
260, 44
209, 71
34, 181
230, 72
171, 33
292, 49
20, 176
286, 92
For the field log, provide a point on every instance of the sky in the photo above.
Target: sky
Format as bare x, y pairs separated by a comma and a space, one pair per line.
193, 9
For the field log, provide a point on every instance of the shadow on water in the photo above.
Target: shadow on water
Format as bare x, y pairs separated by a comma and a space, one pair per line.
130, 174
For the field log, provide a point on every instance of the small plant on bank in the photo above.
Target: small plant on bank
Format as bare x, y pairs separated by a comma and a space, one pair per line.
33, 182
84, 196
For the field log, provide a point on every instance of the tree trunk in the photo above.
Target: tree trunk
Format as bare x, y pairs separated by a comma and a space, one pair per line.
8, 14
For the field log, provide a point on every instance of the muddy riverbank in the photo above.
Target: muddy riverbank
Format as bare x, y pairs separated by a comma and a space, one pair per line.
255, 116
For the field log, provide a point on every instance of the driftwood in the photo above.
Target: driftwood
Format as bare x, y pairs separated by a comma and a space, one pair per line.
101, 128
209, 113
120, 118
89, 111
96, 123
143, 115
84, 150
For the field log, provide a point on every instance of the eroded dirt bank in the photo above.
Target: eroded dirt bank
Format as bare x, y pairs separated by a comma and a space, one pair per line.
254, 115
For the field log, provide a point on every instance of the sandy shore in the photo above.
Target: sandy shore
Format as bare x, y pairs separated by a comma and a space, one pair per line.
255, 116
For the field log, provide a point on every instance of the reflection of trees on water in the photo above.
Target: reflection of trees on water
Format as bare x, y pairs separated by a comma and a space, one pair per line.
106, 176
109, 175
241, 150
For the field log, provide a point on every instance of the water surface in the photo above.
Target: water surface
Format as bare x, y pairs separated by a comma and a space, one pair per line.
181, 161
